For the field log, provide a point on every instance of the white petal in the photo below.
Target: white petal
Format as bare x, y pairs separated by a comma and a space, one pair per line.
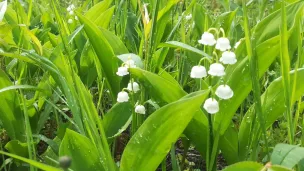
207, 39
228, 58
140, 109
122, 97
223, 44
198, 72
216, 69
122, 71
135, 87
211, 106
224, 92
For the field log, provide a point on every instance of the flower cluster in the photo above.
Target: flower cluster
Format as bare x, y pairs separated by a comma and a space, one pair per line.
133, 86
72, 15
216, 69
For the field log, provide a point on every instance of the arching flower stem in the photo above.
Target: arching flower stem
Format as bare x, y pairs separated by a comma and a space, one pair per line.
205, 58
216, 56
223, 32
215, 30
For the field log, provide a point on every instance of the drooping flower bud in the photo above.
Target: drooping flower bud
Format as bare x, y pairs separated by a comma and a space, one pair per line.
211, 106
198, 72
140, 109
71, 12
65, 162
223, 44
135, 87
217, 69
207, 39
122, 97
224, 92
122, 71
228, 58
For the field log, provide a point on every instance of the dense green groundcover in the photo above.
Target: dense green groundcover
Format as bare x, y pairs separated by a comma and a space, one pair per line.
145, 85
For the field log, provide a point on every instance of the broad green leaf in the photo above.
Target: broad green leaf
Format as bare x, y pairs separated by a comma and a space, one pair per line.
242, 166
17, 147
117, 45
287, 155
160, 88
81, 150
105, 18
201, 19
98, 9
117, 119
31, 162
153, 140
105, 53
88, 70
11, 113
175, 44
266, 30
228, 145
225, 20
278, 168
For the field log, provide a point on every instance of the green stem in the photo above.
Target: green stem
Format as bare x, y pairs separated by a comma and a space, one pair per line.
134, 115
209, 144
164, 163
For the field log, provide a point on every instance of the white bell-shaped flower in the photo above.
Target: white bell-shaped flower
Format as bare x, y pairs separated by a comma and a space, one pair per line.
223, 44
135, 87
216, 69
237, 44
71, 12
198, 72
130, 63
228, 58
207, 39
140, 109
70, 21
224, 92
122, 97
188, 17
211, 106
122, 71
3, 7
